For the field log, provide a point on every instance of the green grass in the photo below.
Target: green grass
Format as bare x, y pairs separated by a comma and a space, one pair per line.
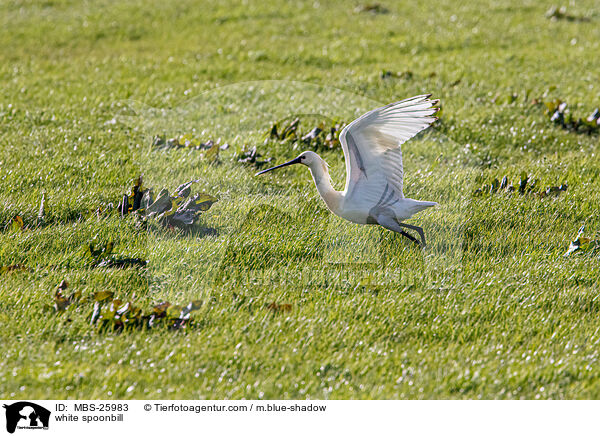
490, 310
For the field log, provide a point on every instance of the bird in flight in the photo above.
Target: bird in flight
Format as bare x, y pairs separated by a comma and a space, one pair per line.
374, 170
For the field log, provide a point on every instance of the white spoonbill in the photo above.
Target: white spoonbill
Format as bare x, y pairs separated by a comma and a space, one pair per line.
374, 170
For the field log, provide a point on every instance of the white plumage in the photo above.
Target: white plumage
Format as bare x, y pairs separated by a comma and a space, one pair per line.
374, 169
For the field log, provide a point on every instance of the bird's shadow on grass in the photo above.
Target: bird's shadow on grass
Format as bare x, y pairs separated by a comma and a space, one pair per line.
269, 239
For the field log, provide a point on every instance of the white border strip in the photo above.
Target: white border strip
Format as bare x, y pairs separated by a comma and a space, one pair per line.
299, 417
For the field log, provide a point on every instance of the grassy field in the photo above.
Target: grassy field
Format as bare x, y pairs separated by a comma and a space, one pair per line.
490, 309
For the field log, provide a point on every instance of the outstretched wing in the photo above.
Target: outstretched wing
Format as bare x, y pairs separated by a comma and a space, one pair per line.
372, 142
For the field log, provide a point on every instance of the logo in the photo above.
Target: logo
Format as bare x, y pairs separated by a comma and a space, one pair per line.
26, 415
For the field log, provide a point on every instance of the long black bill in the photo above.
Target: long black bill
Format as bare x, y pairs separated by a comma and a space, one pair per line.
292, 162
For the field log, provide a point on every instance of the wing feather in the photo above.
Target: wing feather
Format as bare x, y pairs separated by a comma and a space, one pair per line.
371, 145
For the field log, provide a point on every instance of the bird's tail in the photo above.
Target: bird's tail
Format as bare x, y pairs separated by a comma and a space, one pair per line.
417, 206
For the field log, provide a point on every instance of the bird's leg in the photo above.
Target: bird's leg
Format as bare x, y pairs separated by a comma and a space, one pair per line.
393, 225
412, 238
419, 230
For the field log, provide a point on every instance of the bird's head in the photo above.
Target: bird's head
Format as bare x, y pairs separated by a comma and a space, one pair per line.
308, 158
